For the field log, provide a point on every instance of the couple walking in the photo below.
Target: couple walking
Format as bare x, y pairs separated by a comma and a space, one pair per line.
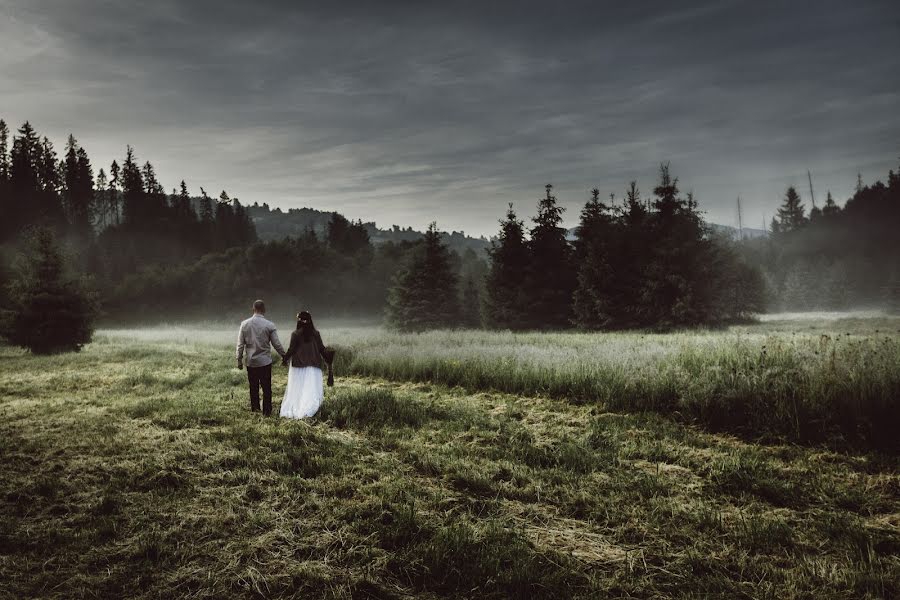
304, 392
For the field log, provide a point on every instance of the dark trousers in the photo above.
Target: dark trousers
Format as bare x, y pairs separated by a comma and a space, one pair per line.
260, 376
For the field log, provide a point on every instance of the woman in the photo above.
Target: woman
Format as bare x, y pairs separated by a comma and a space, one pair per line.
304, 392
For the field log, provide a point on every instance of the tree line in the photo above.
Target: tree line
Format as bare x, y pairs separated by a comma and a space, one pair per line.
833, 257
117, 220
636, 263
650, 264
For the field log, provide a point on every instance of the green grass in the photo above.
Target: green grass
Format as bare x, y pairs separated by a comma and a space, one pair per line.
135, 469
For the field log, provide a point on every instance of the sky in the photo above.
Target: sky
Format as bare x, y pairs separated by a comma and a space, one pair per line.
408, 112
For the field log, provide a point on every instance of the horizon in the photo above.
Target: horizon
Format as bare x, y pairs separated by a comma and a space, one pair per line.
407, 115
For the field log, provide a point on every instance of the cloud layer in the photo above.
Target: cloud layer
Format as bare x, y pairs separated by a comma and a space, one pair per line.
408, 112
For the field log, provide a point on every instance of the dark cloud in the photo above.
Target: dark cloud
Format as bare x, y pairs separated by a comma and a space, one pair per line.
405, 112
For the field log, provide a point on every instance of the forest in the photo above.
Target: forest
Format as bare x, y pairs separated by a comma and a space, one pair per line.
146, 255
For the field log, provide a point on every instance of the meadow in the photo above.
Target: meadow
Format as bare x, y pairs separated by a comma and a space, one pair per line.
759, 461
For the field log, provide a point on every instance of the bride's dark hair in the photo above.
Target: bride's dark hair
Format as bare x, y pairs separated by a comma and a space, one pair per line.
307, 328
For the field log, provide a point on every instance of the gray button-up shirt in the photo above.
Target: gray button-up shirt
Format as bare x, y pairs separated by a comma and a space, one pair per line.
255, 335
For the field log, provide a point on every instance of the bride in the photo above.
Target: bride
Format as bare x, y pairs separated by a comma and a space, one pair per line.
304, 392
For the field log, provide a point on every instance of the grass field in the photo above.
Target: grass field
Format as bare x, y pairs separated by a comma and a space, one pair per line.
461, 464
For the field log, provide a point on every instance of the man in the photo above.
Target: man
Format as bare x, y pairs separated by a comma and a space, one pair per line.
255, 335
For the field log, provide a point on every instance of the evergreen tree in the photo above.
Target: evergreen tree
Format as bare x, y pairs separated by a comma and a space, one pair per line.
154, 196
4, 153
592, 304
25, 160
134, 212
113, 193
551, 278
830, 208
206, 208
100, 205
7, 206
629, 257
676, 277
51, 313
78, 178
791, 213
504, 299
184, 209
424, 294
345, 236
224, 223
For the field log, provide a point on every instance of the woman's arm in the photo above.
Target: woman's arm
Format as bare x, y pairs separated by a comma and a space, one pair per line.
321, 346
290, 351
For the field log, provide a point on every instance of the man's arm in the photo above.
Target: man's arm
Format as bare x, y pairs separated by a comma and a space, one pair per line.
239, 352
276, 343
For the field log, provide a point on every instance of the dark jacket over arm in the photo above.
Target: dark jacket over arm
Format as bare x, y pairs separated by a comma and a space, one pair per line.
305, 354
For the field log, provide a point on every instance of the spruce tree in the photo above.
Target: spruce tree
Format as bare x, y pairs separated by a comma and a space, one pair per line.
675, 277
6, 199
113, 193
791, 215
51, 312
551, 279
78, 180
207, 216
4, 153
185, 210
134, 211
424, 294
591, 302
831, 208
629, 257
100, 205
504, 299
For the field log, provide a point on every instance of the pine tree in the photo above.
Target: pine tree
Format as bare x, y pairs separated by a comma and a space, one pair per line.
154, 195
206, 208
791, 213
113, 193
133, 208
25, 161
629, 258
51, 313
504, 299
4, 153
551, 278
224, 226
344, 236
675, 278
100, 205
424, 294
78, 180
6, 198
831, 208
185, 210
591, 301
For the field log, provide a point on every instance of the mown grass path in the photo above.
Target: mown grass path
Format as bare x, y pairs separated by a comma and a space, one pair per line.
134, 469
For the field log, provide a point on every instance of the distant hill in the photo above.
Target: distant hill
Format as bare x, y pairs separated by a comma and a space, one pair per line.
276, 224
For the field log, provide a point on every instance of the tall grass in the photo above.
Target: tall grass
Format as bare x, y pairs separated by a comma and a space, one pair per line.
832, 381
792, 386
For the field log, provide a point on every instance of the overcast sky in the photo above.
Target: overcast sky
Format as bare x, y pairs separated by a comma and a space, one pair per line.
408, 112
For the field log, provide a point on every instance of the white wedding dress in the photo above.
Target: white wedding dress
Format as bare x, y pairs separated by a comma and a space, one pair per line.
304, 392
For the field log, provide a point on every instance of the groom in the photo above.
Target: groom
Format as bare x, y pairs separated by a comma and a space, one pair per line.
255, 335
